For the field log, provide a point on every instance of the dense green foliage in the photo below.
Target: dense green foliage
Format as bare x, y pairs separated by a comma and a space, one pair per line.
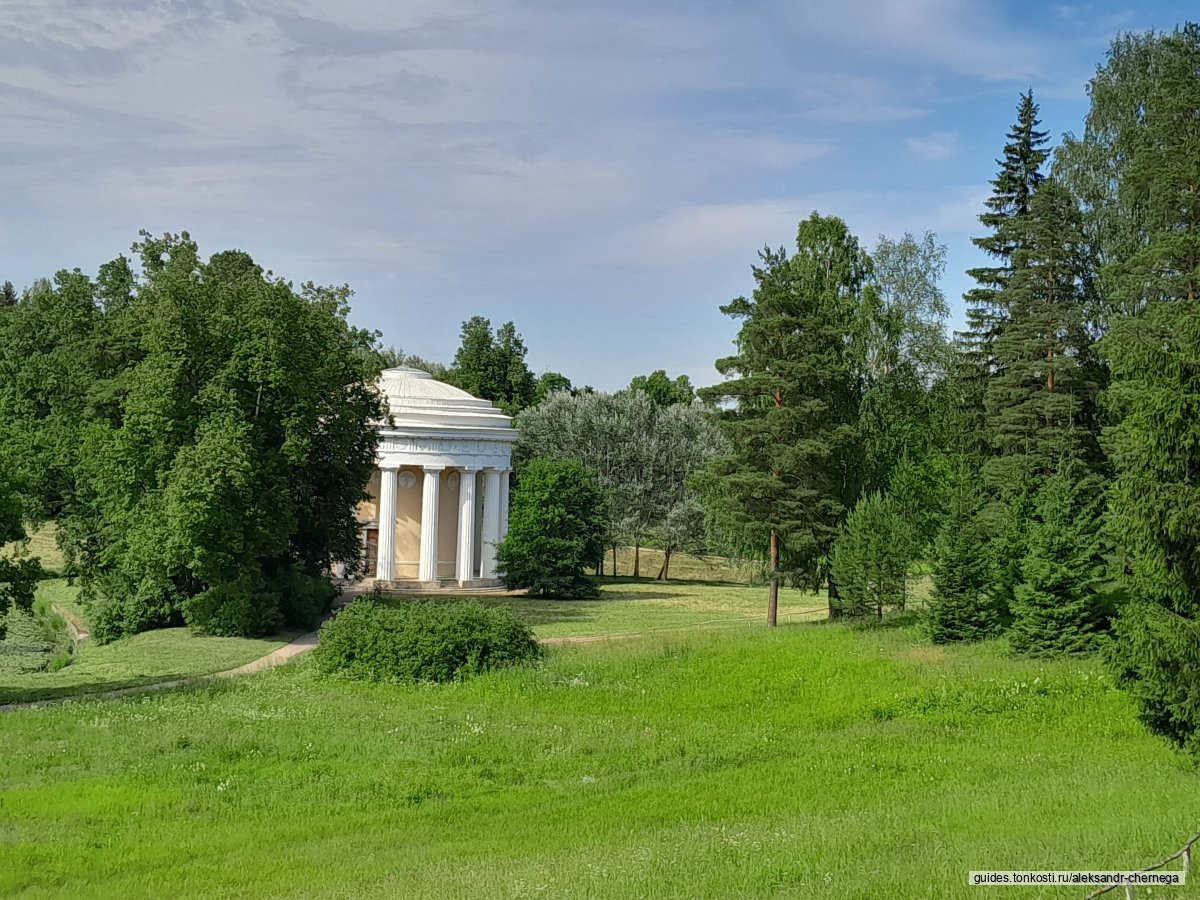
792, 395
201, 431
423, 640
18, 574
1057, 607
662, 389
555, 528
491, 364
963, 606
734, 763
1142, 132
872, 558
642, 453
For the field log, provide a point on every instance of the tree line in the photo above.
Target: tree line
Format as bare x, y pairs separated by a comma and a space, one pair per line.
1044, 462
199, 430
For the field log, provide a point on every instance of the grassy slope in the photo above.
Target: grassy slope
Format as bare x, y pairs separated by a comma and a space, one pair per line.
162, 655
41, 544
811, 760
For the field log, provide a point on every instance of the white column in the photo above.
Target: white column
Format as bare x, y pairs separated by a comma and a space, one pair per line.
465, 561
427, 569
384, 561
504, 479
491, 523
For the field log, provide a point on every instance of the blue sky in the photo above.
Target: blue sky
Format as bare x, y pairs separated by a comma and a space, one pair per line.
603, 174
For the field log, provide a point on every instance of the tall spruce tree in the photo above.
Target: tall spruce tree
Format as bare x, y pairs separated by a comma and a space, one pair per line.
792, 395
1040, 399
1012, 192
1148, 222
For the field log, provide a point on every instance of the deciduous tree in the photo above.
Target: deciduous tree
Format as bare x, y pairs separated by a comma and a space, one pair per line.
664, 390
227, 483
491, 364
556, 527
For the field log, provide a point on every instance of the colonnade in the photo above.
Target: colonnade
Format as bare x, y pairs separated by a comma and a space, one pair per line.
494, 525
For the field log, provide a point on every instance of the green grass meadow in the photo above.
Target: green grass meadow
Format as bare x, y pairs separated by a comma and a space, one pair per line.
167, 654
812, 760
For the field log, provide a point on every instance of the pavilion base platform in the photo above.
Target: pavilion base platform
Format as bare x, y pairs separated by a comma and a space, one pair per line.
441, 586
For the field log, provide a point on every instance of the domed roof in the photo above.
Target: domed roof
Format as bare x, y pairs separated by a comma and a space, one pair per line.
417, 400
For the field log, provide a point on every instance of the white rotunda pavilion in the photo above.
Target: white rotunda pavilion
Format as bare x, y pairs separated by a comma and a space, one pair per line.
439, 495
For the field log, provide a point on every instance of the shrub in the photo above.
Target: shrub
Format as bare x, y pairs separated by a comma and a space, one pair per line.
18, 580
961, 607
253, 605
872, 556
423, 640
244, 606
117, 607
1056, 608
304, 599
35, 640
556, 527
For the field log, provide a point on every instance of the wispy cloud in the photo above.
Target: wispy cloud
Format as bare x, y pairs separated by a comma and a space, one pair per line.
500, 155
938, 145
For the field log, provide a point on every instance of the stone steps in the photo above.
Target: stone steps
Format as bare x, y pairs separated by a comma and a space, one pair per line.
442, 586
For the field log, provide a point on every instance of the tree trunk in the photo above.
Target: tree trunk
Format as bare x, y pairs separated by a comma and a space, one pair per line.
662, 572
600, 565
773, 605
835, 599
637, 561
614, 546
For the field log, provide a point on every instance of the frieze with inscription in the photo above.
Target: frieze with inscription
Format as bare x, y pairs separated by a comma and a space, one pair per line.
417, 445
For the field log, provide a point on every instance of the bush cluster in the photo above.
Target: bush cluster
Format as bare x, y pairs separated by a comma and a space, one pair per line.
423, 640
34, 640
18, 580
248, 604
555, 528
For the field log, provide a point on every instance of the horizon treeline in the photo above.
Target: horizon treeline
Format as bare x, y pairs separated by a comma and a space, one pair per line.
1044, 463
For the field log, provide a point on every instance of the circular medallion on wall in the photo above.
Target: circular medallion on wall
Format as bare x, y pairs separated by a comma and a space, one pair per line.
407, 480
452, 480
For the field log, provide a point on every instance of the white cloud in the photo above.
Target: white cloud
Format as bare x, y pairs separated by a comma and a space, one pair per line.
938, 145
492, 156
693, 235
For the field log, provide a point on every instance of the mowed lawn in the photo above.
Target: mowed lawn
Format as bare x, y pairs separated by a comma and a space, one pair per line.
813, 760
627, 606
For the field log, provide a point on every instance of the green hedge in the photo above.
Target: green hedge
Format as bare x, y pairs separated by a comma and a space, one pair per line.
424, 640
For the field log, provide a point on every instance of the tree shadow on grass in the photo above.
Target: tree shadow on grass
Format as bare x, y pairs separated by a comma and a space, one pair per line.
619, 596
670, 582
529, 609
95, 690
898, 619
